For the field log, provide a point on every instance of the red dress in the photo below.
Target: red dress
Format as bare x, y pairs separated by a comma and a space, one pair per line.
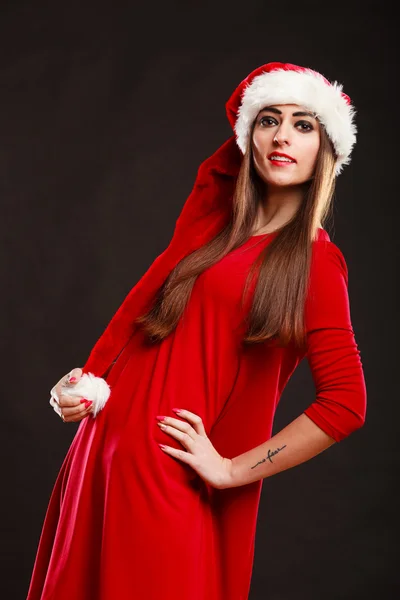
127, 521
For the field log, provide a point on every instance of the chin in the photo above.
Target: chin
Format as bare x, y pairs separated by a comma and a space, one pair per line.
282, 182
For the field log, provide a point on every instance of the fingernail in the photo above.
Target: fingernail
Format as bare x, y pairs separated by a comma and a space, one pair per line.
83, 400
160, 417
177, 410
88, 403
72, 379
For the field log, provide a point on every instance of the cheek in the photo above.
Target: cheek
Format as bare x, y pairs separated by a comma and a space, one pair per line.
256, 144
261, 140
311, 153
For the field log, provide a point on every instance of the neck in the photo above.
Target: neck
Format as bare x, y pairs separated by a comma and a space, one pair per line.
279, 205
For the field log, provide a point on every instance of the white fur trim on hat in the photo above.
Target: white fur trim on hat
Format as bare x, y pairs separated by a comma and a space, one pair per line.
306, 88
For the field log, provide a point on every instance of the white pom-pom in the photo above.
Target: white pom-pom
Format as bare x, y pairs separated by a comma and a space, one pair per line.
90, 387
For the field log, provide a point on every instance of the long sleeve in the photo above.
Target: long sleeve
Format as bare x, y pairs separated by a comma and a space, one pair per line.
204, 214
332, 352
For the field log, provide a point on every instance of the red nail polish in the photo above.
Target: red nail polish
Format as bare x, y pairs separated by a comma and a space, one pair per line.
177, 410
83, 400
88, 403
72, 379
160, 417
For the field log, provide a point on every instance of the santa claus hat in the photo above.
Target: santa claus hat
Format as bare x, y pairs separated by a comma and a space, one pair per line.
285, 83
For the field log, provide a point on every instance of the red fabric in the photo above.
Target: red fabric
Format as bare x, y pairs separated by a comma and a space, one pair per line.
126, 520
332, 352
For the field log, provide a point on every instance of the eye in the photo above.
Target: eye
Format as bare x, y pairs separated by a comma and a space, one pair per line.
304, 125
268, 119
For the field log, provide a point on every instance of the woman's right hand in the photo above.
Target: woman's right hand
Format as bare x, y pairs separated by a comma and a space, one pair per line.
73, 409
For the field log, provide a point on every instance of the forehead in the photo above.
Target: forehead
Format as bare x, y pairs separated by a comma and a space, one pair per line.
287, 107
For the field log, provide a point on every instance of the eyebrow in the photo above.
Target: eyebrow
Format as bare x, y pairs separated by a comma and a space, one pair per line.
300, 113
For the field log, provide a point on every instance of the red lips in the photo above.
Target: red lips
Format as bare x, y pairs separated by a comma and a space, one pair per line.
281, 154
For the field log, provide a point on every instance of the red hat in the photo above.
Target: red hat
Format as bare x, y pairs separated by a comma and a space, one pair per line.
284, 83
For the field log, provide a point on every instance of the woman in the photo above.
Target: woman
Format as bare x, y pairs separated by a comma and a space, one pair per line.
249, 285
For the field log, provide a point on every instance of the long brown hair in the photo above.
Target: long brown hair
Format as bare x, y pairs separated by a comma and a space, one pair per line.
277, 309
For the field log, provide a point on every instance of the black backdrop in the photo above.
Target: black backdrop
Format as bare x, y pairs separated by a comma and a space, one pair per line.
106, 111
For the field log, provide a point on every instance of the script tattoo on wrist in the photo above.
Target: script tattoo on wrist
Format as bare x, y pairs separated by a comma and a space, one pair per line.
269, 456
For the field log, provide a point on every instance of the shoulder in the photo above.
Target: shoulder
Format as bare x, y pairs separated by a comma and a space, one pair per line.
327, 257
327, 301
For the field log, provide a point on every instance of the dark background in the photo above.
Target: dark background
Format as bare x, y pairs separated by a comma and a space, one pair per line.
106, 111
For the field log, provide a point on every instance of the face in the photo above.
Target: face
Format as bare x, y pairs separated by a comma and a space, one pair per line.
290, 130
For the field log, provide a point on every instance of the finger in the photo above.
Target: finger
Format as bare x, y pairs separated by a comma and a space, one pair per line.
71, 415
76, 419
58, 388
70, 401
194, 420
73, 376
178, 424
64, 381
69, 411
183, 456
185, 439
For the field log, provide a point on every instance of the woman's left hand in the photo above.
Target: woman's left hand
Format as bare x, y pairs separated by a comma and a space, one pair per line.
200, 453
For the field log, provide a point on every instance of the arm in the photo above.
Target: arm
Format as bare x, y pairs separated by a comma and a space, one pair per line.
294, 444
340, 404
338, 409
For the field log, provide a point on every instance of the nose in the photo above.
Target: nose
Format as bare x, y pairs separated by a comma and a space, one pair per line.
280, 140
282, 136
